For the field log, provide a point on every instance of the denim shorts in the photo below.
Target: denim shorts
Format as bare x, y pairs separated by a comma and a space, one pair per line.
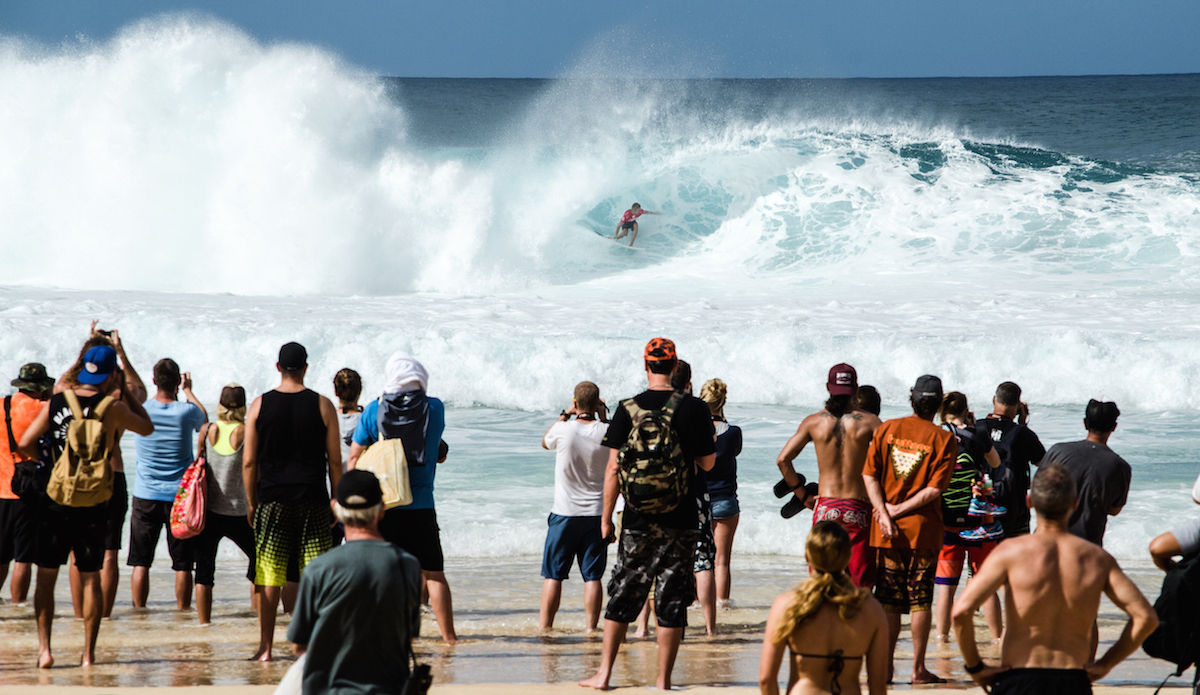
725, 508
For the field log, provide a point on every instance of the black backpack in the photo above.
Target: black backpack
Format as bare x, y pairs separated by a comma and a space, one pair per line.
1177, 638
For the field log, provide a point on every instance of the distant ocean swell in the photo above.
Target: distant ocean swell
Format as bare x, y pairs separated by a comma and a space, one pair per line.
220, 165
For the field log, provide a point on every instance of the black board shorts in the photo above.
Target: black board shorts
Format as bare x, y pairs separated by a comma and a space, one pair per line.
417, 533
1042, 681
628, 225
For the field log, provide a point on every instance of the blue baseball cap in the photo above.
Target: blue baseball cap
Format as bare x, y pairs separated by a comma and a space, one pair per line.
98, 363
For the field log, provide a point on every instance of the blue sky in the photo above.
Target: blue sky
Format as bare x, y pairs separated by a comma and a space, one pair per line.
753, 38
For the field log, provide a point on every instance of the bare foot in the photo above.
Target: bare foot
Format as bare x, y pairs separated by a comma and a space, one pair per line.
261, 655
598, 681
662, 685
924, 677
88, 659
45, 660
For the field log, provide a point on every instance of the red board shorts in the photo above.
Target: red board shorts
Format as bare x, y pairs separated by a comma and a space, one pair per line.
855, 517
955, 551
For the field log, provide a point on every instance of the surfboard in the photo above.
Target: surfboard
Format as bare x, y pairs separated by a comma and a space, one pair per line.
623, 243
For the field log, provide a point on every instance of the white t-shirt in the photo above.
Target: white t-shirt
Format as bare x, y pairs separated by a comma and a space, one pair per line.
578, 467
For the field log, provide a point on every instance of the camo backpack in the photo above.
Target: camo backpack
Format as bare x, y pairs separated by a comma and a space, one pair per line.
654, 474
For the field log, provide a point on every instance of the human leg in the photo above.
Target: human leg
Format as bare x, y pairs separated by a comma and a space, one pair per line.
593, 596
991, 607
19, 584
723, 532
93, 609
116, 509
442, 603
668, 648
43, 609
614, 635
706, 594
183, 590
949, 570
110, 578
634, 237
268, 606
76, 584
145, 526
922, 570
551, 597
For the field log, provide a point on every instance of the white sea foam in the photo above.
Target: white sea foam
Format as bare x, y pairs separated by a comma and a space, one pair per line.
213, 198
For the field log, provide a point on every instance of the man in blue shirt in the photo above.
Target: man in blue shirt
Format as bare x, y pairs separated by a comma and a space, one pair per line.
162, 458
408, 414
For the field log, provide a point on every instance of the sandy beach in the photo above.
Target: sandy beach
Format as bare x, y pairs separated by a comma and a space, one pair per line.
502, 651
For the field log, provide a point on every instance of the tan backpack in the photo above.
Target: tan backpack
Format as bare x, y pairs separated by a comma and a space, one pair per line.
82, 475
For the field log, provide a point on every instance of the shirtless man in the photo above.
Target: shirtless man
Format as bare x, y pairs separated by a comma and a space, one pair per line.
1053, 583
841, 436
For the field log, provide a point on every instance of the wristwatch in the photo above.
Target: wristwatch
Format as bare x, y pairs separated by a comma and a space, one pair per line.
565, 414
972, 670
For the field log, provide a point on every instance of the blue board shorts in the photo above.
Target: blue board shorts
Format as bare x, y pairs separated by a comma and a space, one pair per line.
570, 539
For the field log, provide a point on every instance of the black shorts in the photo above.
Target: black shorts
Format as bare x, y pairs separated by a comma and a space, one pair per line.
659, 556
63, 530
1036, 681
629, 225
216, 527
145, 526
117, 507
18, 523
416, 532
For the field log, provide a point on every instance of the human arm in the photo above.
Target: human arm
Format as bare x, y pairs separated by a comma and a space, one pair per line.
1163, 550
772, 653
790, 451
1196, 491
992, 458
41, 423
333, 444
564, 416
133, 383
991, 576
879, 506
356, 452
1142, 621
299, 649
878, 652
611, 491
191, 397
912, 504
204, 432
250, 459
130, 415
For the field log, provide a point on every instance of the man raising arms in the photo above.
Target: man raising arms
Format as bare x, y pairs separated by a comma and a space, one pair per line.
841, 436
1053, 582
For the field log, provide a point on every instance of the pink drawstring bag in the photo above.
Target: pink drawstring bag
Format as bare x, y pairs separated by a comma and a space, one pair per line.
191, 501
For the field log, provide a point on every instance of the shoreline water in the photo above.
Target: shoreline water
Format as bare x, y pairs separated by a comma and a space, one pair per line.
496, 603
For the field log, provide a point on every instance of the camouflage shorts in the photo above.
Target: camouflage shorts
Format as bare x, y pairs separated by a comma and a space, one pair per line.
656, 556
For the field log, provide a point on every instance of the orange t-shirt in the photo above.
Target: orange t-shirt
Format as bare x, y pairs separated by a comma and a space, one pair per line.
907, 455
24, 410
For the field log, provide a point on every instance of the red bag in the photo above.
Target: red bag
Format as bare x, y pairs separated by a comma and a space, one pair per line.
191, 501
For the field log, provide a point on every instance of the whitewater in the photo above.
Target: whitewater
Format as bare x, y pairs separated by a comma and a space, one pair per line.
213, 197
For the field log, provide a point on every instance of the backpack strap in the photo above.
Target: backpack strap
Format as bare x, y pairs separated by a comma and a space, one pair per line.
672, 405
73, 404
12, 441
101, 408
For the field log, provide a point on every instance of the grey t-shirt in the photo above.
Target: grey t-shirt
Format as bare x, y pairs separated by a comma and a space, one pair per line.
358, 609
1101, 480
1188, 536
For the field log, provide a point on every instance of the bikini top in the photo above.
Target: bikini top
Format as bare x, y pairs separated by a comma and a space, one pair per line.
837, 663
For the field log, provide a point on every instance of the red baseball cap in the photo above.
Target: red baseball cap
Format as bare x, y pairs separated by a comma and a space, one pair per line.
843, 380
659, 350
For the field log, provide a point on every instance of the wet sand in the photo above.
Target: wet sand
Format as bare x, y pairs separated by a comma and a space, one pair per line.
496, 615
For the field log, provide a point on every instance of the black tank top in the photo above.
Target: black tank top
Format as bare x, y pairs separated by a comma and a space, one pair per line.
292, 465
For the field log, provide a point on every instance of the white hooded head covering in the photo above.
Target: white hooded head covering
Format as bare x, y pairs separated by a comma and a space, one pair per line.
404, 373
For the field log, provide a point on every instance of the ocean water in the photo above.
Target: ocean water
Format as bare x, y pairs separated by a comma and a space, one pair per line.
212, 198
